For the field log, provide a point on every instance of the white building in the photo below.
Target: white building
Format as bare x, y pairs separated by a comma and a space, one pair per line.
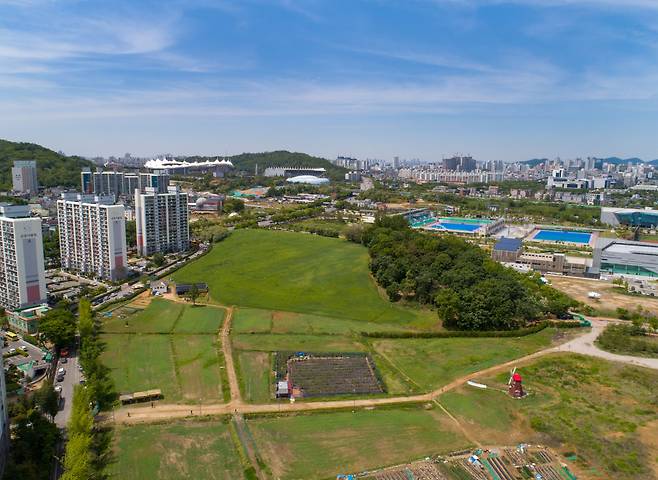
22, 278
92, 236
24, 176
162, 221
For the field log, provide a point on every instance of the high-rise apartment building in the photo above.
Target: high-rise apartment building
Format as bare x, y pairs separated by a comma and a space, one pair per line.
4, 421
162, 221
24, 176
22, 277
120, 183
92, 236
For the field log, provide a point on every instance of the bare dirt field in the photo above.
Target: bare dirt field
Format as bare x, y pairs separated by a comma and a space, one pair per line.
610, 300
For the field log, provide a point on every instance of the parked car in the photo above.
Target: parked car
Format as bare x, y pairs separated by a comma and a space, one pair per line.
61, 371
60, 377
58, 389
64, 360
23, 347
12, 350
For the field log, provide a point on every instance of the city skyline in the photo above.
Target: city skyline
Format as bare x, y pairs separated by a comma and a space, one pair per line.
509, 80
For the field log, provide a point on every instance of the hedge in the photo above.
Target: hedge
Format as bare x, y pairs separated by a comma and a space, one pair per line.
521, 332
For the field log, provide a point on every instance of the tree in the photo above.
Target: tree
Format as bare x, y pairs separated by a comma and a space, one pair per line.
85, 318
47, 399
233, 205
193, 293
78, 459
131, 233
158, 259
58, 326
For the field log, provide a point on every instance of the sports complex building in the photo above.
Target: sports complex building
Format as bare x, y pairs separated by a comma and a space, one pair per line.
625, 257
633, 217
426, 220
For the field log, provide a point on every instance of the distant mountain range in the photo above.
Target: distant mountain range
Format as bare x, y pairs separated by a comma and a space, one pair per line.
613, 160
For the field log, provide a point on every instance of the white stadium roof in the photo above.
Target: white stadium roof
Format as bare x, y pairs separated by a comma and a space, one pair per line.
309, 179
164, 164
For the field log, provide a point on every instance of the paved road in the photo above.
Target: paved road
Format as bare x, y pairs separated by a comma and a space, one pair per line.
584, 344
71, 379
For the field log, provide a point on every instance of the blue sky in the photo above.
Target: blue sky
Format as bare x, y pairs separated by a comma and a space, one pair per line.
499, 79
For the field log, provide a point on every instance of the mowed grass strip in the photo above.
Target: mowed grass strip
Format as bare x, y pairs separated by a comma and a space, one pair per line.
432, 363
295, 272
254, 375
200, 319
197, 364
159, 317
254, 320
298, 343
175, 451
141, 362
604, 411
323, 445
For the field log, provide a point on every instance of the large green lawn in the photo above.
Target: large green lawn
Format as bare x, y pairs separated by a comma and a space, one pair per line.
295, 272
175, 451
606, 412
432, 363
317, 446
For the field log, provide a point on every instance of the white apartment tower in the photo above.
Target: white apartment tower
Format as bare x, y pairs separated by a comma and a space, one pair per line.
162, 221
92, 236
4, 421
22, 277
24, 176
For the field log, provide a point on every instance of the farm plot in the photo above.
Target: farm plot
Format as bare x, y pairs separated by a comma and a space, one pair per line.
321, 374
175, 450
417, 471
159, 317
322, 445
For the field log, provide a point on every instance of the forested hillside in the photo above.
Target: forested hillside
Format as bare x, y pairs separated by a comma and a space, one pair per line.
53, 169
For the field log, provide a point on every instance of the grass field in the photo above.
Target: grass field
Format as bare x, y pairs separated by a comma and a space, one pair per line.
170, 346
184, 367
295, 272
163, 316
254, 320
592, 407
302, 343
174, 451
431, 363
322, 445
255, 376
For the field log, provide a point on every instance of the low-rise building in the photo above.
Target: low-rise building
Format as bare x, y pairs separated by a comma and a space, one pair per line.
507, 249
26, 320
625, 257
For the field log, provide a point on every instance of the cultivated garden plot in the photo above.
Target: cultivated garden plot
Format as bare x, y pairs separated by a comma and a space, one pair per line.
324, 374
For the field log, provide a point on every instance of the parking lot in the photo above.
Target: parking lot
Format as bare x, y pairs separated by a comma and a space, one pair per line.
31, 360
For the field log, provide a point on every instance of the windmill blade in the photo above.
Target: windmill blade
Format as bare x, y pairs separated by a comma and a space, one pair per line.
511, 374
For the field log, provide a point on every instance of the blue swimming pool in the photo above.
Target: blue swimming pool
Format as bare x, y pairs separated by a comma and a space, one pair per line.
457, 227
563, 236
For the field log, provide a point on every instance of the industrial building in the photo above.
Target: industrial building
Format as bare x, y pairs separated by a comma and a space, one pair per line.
24, 177
22, 276
625, 257
162, 221
632, 217
92, 236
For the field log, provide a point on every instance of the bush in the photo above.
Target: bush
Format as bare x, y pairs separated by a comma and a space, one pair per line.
521, 332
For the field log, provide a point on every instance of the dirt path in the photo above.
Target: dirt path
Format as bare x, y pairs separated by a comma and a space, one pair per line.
138, 414
228, 357
243, 435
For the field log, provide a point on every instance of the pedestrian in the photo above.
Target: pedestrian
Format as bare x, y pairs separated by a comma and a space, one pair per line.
128, 414
191, 412
152, 405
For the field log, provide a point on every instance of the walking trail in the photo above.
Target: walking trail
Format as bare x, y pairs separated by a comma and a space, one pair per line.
583, 344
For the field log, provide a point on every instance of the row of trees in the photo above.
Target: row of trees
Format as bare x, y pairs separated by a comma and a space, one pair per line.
468, 288
85, 449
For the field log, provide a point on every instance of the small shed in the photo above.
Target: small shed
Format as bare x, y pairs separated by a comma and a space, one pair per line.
282, 389
159, 287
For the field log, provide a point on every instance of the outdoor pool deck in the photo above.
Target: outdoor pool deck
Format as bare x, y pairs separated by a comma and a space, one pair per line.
563, 236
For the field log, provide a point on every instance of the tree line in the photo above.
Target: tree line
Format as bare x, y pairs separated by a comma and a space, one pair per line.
469, 290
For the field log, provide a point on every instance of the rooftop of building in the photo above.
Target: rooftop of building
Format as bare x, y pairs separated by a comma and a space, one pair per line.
506, 244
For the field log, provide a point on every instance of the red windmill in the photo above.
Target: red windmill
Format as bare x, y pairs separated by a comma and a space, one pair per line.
515, 386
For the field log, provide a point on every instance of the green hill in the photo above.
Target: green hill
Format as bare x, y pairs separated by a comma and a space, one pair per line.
53, 169
247, 162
